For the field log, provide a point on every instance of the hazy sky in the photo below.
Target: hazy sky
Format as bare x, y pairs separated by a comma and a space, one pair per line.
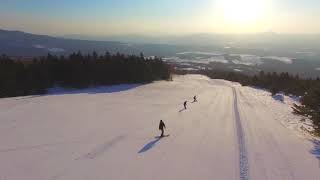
156, 17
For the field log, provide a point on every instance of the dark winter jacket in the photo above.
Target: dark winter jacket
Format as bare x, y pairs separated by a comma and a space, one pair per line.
185, 103
162, 125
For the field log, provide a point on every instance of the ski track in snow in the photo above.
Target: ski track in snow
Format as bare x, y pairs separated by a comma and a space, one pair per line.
243, 156
101, 149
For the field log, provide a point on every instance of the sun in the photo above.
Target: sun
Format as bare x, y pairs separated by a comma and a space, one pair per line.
243, 12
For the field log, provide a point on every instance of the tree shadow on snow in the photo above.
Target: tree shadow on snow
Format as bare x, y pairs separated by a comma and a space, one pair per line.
149, 145
89, 90
93, 90
316, 149
278, 97
27, 97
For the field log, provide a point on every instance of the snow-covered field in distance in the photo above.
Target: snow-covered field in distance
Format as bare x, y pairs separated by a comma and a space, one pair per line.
207, 57
231, 133
247, 62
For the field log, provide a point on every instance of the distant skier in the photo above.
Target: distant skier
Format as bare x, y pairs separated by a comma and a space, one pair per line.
162, 126
195, 99
185, 104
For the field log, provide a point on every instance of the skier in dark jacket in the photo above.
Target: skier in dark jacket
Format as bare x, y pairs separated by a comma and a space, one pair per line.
162, 126
195, 99
185, 104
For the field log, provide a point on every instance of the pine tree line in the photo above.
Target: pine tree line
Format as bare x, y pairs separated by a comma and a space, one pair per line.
20, 78
310, 106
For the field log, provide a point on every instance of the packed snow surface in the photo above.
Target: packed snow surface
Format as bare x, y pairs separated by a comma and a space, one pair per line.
231, 133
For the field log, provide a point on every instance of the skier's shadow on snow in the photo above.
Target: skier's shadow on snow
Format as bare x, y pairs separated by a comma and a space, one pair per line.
181, 110
316, 149
149, 145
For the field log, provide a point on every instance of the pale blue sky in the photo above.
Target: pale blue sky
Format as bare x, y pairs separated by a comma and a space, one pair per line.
105, 17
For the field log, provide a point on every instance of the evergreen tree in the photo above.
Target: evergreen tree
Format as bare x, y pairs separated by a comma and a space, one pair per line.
77, 71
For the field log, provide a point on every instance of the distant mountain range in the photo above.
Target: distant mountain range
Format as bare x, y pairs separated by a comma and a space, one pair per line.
17, 43
248, 53
207, 39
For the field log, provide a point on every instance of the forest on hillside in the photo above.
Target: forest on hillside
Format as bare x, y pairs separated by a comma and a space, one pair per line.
20, 78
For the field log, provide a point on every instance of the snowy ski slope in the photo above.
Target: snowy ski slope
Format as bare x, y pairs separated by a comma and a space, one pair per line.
231, 133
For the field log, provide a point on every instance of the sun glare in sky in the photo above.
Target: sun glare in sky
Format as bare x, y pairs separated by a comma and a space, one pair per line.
243, 12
